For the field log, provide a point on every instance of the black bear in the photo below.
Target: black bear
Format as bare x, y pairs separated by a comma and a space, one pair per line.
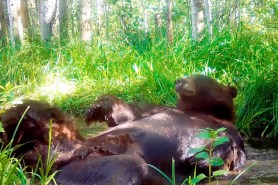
198, 93
114, 111
76, 161
202, 94
171, 132
152, 136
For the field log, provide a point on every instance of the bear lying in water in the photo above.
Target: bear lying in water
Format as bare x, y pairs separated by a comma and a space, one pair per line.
149, 136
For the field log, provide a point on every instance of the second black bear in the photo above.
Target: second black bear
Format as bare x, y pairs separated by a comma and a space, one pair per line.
197, 93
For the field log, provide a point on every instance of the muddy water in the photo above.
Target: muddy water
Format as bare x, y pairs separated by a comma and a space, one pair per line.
263, 163
264, 169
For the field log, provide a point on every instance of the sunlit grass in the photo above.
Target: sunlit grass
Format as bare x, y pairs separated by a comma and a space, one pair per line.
74, 75
55, 85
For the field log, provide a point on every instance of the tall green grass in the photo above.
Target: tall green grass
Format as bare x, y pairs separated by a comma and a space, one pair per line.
74, 74
11, 169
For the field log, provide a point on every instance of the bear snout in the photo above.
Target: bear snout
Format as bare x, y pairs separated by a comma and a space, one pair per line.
179, 83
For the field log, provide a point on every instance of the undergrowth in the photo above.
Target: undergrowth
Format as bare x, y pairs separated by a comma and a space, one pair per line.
11, 170
74, 74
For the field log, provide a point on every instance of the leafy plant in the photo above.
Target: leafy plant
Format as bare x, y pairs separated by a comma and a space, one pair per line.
202, 153
7, 92
1, 127
11, 172
206, 153
10, 168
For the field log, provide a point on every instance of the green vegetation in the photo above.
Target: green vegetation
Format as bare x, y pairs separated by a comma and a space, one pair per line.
206, 154
46, 175
202, 153
11, 171
136, 66
73, 75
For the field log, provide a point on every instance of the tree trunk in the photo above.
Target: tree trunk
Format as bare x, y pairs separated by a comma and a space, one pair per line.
86, 31
63, 20
208, 17
46, 14
228, 12
146, 22
197, 18
25, 18
169, 22
158, 23
123, 18
145, 18
99, 16
3, 25
13, 15
236, 13
74, 18
107, 20
217, 15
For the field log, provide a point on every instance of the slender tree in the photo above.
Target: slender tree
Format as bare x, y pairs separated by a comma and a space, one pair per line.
197, 14
208, 17
157, 19
145, 12
46, 14
100, 12
123, 16
24, 12
12, 6
63, 20
106, 20
217, 15
3, 25
86, 31
169, 22
236, 12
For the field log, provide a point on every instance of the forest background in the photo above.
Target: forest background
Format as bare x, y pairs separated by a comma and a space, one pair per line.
69, 52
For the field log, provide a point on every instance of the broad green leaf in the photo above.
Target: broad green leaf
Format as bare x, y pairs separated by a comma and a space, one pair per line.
221, 129
216, 161
208, 129
198, 178
204, 134
219, 172
220, 141
195, 150
202, 155
1, 127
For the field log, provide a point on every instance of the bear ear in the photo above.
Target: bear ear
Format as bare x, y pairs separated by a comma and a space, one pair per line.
232, 90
